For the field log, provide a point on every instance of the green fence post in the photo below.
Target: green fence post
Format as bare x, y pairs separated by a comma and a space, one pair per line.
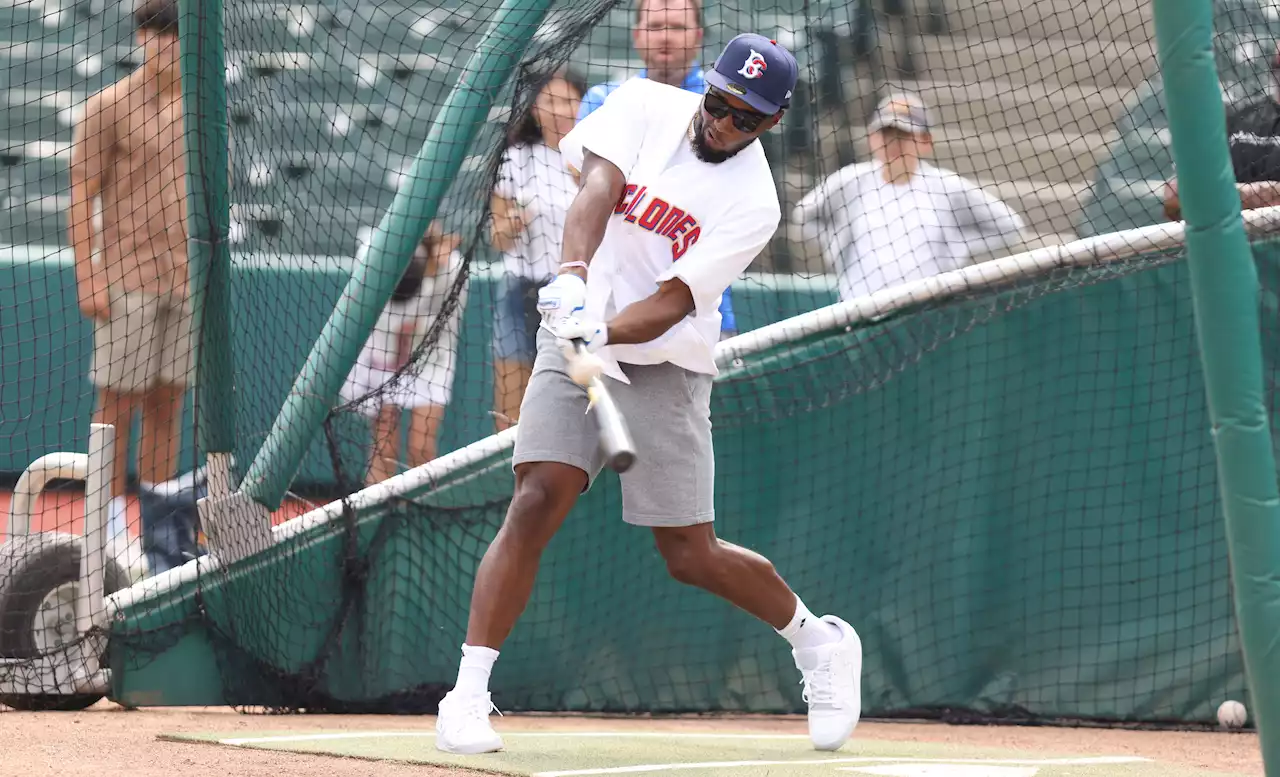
204, 100
1225, 291
335, 351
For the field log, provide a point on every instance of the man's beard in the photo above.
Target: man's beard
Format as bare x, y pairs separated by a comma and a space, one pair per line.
704, 152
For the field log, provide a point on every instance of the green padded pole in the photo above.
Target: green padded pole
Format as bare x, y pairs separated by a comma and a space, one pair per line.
1225, 291
204, 99
335, 351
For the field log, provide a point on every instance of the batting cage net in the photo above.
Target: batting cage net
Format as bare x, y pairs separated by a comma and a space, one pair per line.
986, 449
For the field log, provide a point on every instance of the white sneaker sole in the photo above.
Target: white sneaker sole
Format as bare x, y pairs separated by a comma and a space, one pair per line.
476, 748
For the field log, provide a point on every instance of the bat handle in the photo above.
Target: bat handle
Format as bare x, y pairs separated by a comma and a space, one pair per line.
615, 438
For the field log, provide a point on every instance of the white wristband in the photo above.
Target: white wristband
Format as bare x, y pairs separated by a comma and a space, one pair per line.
583, 265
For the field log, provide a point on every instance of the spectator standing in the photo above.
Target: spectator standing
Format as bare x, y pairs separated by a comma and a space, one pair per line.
384, 382
898, 218
529, 204
667, 36
1253, 140
131, 276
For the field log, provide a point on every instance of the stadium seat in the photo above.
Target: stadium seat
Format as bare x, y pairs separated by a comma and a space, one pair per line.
339, 181
33, 224
30, 23
328, 232
38, 66
36, 177
409, 122
303, 127
47, 68
375, 28
393, 122
277, 28
273, 76
24, 115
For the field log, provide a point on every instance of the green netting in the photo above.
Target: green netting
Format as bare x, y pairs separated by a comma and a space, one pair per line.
1009, 491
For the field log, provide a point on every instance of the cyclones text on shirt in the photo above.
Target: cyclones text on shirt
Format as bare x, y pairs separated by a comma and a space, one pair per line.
659, 217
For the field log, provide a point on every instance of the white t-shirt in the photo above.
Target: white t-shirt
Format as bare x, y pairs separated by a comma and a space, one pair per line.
878, 234
536, 178
679, 217
400, 330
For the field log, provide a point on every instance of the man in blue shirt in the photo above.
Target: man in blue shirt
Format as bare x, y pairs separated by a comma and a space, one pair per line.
667, 36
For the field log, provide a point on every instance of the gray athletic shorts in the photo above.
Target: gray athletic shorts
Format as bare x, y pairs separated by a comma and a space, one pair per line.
668, 411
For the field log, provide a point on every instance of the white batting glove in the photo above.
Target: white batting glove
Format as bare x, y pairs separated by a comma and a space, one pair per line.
563, 297
593, 334
583, 365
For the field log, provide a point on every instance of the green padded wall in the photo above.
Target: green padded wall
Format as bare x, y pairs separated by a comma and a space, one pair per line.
1012, 497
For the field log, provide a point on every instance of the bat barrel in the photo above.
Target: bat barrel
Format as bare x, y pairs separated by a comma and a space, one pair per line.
615, 439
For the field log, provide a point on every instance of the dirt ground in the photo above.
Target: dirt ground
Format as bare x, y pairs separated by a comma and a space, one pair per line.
112, 741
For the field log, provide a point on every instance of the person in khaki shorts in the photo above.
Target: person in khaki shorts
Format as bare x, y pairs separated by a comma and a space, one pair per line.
131, 275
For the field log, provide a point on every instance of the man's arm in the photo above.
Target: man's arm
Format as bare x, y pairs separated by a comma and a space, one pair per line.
506, 223
600, 187
697, 281
1260, 194
651, 317
90, 151
812, 207
986, 223
817, 205
821, 210
599, 152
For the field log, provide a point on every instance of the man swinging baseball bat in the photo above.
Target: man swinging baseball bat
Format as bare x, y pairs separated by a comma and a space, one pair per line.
675, 200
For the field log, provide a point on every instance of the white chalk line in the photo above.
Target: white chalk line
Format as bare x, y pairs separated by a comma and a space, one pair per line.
642, 768
672, 767
250, 741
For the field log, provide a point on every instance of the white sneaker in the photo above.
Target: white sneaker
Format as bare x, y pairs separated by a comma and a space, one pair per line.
462, 725
832, 686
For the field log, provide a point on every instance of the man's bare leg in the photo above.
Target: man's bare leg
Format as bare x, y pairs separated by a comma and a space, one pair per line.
161, 436
424, 432
696, 557
510, 380
545, 492
827, 650
384, 461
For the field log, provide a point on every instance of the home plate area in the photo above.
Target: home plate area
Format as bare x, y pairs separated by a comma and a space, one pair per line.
582, 754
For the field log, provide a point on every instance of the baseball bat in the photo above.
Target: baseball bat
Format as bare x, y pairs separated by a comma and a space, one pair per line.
615, 439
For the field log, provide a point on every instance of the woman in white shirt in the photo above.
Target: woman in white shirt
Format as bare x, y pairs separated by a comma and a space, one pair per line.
389, 375
529, 204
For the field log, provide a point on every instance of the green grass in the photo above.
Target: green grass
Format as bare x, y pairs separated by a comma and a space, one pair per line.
581, 754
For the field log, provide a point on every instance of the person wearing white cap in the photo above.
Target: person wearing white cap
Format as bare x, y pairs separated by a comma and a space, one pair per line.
898, 218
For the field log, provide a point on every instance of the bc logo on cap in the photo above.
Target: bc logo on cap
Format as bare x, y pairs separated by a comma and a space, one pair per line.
754, 67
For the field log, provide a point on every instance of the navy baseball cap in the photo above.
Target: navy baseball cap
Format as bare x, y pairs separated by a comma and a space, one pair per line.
757, 70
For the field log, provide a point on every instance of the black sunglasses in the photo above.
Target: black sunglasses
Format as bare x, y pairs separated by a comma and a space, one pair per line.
717, 107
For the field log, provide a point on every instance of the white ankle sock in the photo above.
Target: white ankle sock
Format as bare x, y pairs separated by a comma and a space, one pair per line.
473, 671
807, 631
